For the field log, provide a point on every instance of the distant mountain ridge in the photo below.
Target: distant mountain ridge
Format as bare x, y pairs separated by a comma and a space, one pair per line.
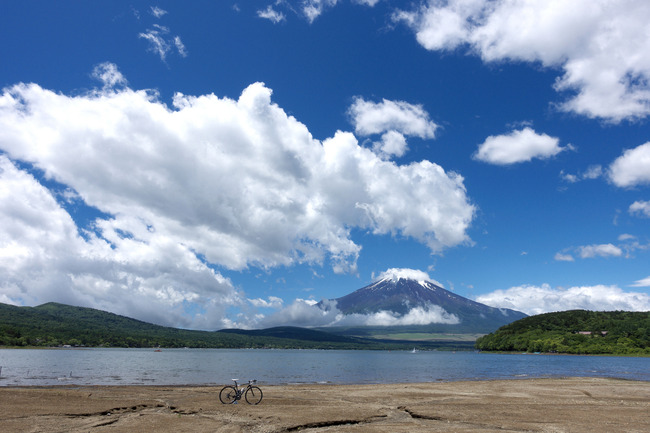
401, 293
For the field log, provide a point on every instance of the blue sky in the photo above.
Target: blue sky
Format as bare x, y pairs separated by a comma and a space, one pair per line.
214, 164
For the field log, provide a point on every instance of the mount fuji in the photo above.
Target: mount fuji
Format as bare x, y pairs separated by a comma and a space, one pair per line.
410, 297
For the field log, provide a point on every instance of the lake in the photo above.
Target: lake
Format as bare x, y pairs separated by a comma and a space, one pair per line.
218, 366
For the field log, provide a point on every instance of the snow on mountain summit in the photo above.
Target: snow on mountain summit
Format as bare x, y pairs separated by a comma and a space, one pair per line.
396, 274
407, 294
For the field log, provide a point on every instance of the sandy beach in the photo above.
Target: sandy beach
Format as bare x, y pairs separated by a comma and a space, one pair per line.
535, 405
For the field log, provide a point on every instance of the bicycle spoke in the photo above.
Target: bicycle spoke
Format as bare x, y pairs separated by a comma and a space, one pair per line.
253, 395
228, 395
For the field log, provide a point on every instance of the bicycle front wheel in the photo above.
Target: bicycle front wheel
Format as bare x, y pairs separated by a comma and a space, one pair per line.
228, 395
253, 395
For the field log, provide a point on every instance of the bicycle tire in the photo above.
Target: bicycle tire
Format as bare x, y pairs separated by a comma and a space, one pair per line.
253, 395
228, 394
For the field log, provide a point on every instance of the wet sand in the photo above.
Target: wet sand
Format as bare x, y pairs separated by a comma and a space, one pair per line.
535, 405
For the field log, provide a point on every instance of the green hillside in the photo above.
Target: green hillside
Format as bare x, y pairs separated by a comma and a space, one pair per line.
52, 325
56, 324
575, 332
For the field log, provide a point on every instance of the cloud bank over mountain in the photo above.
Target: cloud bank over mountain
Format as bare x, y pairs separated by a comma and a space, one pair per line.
306, 313
543, 299
179, 192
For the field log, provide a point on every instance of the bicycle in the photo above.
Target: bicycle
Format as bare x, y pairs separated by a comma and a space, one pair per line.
230, 394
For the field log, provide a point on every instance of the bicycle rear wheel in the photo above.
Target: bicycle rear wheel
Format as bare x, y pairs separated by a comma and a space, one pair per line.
253, 395
228, 395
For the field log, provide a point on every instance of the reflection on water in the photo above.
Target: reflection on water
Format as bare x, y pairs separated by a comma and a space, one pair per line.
217, 366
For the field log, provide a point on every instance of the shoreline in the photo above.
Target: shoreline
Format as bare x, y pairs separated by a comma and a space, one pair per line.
486, 352
73, 385
576, 404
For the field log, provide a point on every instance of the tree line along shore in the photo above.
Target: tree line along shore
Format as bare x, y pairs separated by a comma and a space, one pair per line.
571, 332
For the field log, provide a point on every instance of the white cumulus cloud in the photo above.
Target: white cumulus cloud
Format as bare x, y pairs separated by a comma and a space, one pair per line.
377, 117
232, 183
44, 256
394, 120
392, 143
562, 257
544, 299
599, 45
640, 207
625, 248
592, 172
518, 146
632, 168
600, 250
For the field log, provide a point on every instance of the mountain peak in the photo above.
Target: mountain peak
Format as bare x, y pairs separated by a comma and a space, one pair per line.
414, 298
396, 274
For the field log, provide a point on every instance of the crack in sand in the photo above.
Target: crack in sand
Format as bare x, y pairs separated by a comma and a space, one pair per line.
481, 426
115, 415
105, 423
420, 416
116, 411
324, 424
404, 410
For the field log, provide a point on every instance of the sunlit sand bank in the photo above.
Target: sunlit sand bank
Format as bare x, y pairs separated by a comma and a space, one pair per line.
538, 405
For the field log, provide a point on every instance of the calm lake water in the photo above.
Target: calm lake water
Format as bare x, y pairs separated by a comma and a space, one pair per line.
218, 366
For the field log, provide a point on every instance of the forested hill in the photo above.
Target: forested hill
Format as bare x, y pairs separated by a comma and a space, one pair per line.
575, 332
52, 325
